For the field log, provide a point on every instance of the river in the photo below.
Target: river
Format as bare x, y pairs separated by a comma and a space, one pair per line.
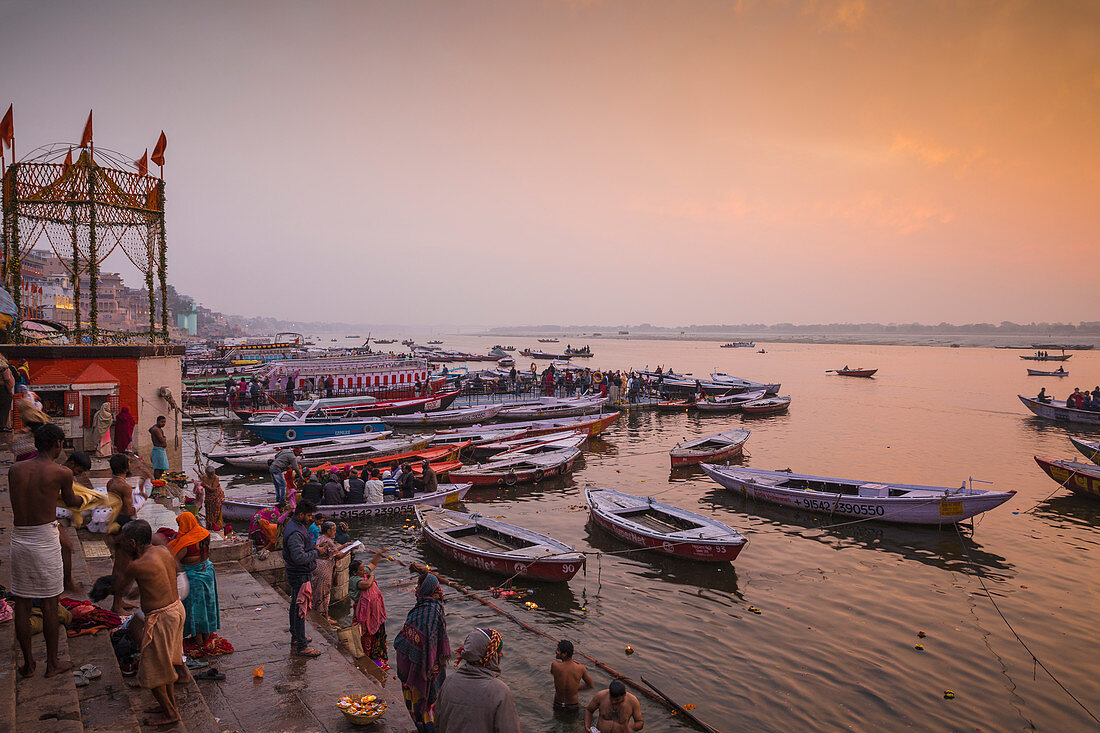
834, 646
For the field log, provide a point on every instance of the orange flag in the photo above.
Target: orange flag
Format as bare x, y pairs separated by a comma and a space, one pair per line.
142, 164
158, 150
86, 138
7, 129
68, 161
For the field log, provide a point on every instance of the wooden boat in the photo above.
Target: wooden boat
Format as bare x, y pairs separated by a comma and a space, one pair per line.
1048, 357
1090, 448
738, 345
328, 403
729, 403
709, 448
1080, 478
593, 424
497, 547
312, 458
303, 425
365, 408
670, 530
566, 407
1059, 372
538, 445
745, 385
518, 470
242, 510
440, 454
546, 355
478, 439
675, 405
1057, 410
460, 416
856, 372
888, 502
202, 417
766, 406
548, 341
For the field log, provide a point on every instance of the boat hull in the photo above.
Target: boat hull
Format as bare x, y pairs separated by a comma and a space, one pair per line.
1060, 413
925, 510
503, 476
694, 459
547, 571
242, 511
1041, 373
260, 465
1084, 480
856, 372
1089, 450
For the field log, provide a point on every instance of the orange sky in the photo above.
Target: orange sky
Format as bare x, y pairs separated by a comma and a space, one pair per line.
598, 162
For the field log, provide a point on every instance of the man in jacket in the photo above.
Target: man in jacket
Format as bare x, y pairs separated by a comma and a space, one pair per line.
475, 699
300, 558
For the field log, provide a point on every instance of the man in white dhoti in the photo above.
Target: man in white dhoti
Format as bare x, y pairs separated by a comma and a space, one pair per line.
36, 565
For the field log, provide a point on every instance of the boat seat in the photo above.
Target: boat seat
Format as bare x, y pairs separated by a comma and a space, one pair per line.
541, 549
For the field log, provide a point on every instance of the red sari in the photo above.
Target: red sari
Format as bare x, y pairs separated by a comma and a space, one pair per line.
124, 429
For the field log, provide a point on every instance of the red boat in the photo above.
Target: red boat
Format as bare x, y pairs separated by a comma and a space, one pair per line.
1080, 478
766, 406
449, 452
371, 409
709, 449
594, 424
670, 530
856, 372
497, 547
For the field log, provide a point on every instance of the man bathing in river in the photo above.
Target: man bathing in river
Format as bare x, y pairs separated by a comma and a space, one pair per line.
570, 677
617, 711
153, 568
36, 564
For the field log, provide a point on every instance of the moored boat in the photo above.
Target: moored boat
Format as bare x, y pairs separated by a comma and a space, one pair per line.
438, 456
745, 384
519, 470
1090, 448
1080, 478
363, 408
709, 448
304, 425
766, 406
314, 457
1057, 410
885, 501
675, 405
537, 445
242, 510
663, 528
593, 424
563, 407
729, 403
460, 416
498, 547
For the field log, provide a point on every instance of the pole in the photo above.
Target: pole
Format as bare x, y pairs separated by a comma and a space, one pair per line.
93, 260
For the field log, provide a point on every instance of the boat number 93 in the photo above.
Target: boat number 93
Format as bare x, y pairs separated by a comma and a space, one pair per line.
844, 507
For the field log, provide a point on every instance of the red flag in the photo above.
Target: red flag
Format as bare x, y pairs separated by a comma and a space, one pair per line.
7, 129
158, 151
86, 138
68, 161
142, 163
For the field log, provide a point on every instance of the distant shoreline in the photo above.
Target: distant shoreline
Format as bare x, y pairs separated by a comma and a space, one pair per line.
962, 340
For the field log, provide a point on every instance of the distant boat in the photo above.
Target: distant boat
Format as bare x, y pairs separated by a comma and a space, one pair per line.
889, 502
663, 528
738, 345
1059, 372
435, 342
846, 372
1048, 357
624, 333
548, 341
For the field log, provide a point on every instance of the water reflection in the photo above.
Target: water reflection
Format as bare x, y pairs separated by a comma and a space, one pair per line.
1071, 507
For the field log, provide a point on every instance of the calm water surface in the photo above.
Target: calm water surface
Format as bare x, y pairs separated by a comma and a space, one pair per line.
834, 646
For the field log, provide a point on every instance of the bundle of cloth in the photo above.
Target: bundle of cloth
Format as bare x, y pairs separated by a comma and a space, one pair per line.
90, 500
88, 617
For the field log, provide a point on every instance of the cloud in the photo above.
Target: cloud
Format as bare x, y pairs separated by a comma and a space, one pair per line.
837, 14
933, 154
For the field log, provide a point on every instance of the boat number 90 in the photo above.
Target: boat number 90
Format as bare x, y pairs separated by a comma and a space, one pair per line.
567, 568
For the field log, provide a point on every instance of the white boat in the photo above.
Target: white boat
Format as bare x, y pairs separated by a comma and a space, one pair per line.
330, 403
729, 403
540, 444
1057, 410
566, 407
479, 438
888, 502
520, 469
1090, 448
497, 547
312, 423
663, 528
312, 457
1059, 372
723, 378
242, 510
460, 416
709, 448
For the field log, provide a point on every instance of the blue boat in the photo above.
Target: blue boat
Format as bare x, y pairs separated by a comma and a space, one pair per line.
310, 423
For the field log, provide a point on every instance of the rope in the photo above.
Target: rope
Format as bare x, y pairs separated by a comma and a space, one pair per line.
1035, 659
1045, 498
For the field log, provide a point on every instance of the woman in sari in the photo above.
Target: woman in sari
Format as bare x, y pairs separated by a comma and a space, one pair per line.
101, 430
369, 610
422, 651
124, 429
213, 496
263, 529
327, 554
192, 549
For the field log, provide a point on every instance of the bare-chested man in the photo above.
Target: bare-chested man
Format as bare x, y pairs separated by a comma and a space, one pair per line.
618, 711
160, 447
154, 570
120, 487
570, 677
79, 463
37, 571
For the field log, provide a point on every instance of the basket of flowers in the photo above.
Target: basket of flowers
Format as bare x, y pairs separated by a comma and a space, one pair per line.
361, 709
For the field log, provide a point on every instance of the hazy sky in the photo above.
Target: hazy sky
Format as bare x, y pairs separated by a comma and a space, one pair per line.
596, 162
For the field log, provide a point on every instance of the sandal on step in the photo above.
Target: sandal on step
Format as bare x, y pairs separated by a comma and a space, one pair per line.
210, 674
91, 672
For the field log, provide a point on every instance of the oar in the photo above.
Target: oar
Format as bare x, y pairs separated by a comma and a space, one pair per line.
830, 370
679, 709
